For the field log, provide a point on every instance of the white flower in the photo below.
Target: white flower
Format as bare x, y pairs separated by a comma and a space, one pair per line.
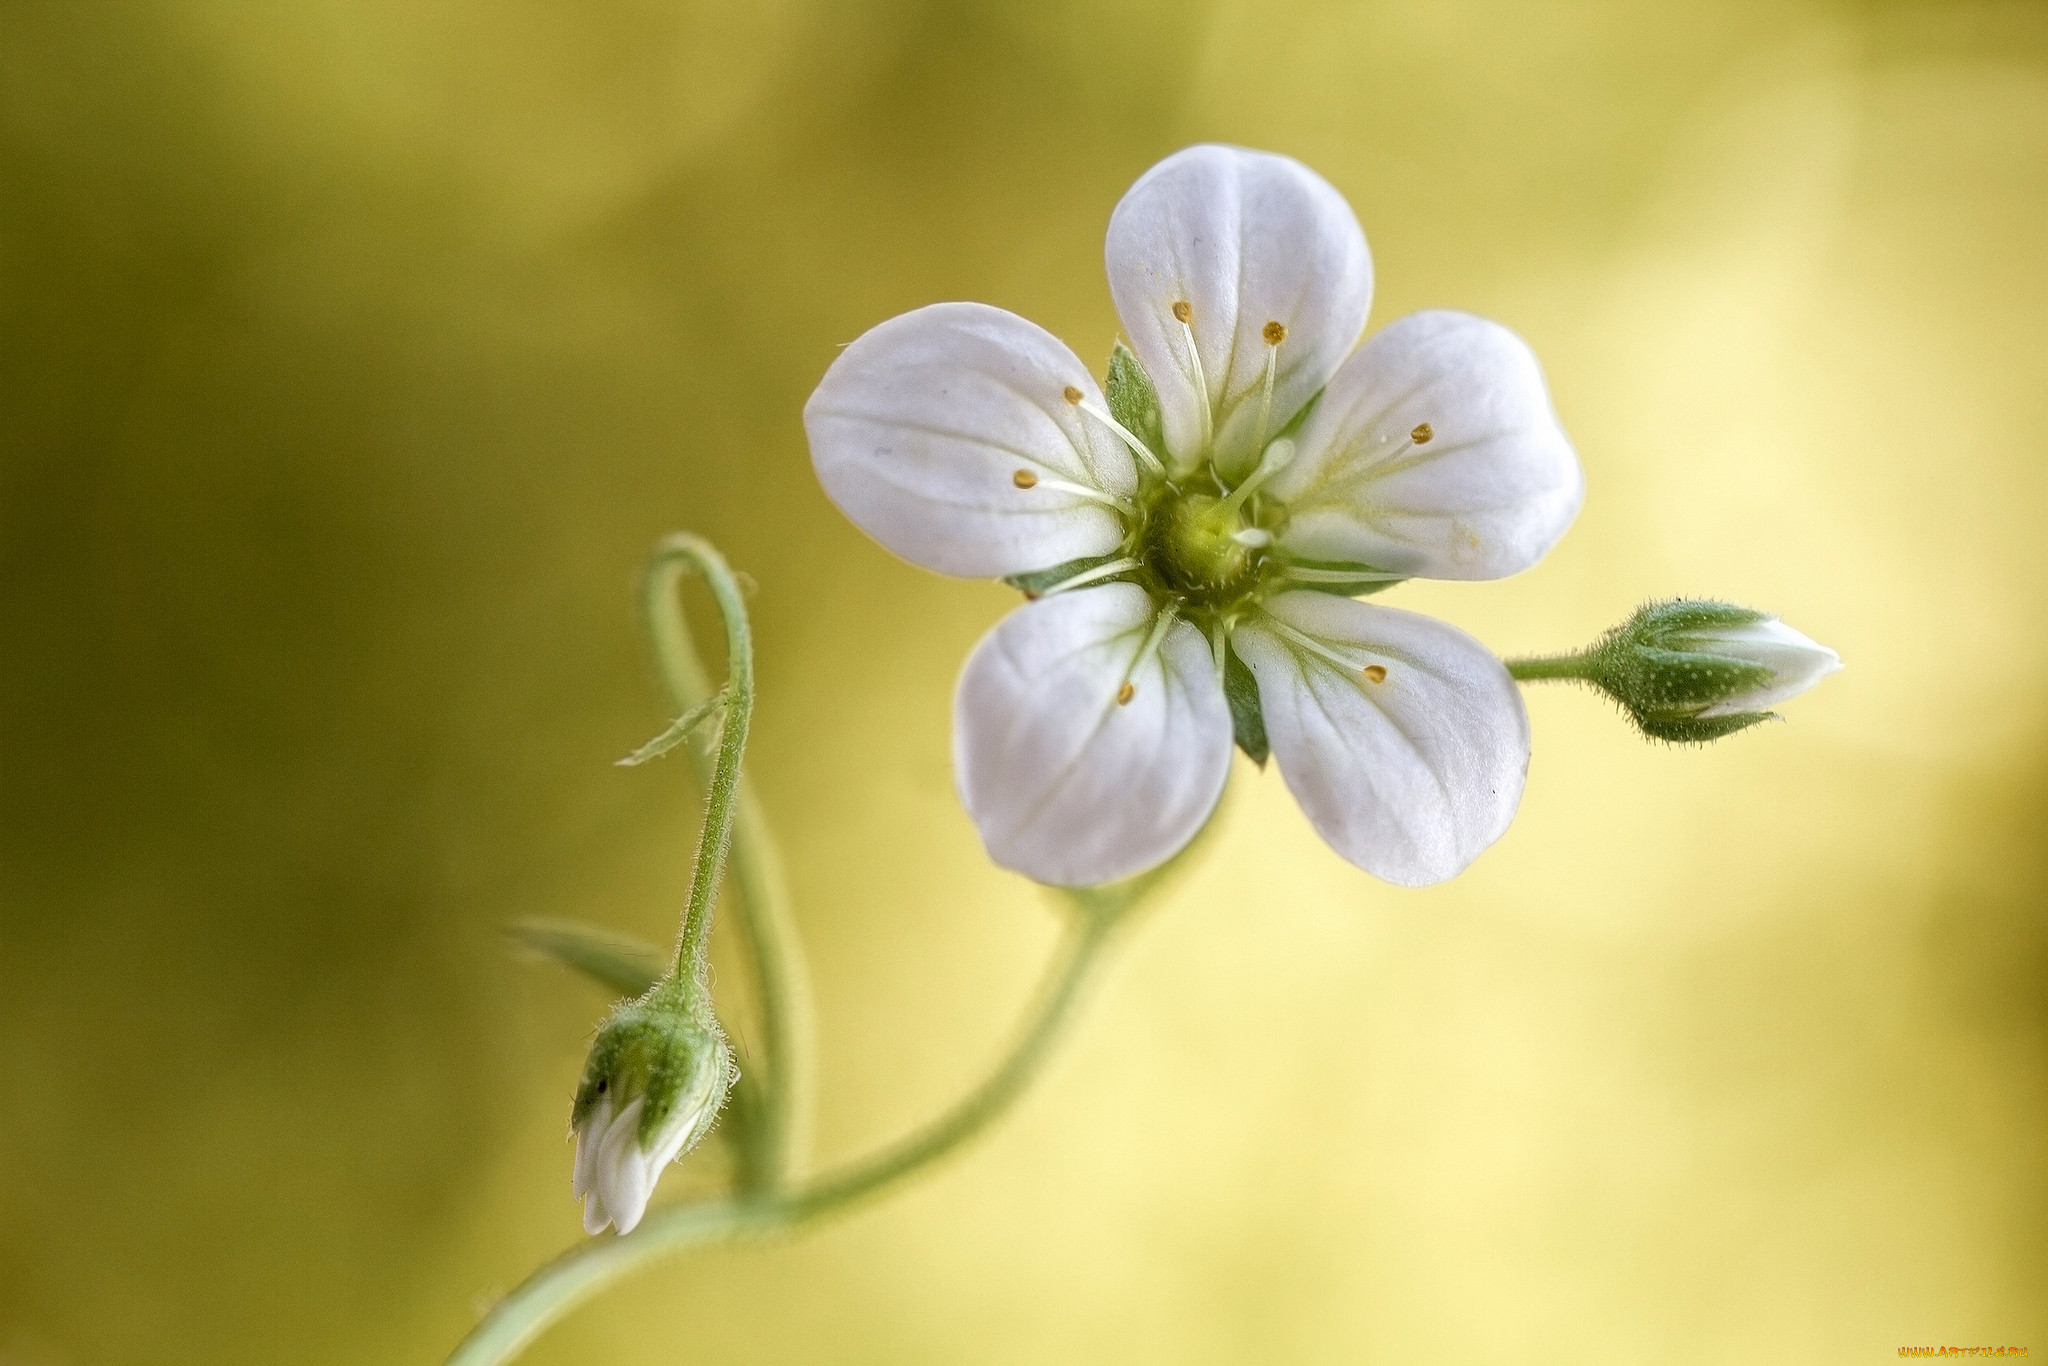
1795, 662
644, 1056
1247, 476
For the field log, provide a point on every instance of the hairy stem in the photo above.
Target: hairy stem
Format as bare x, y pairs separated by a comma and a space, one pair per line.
759, 891
1541, 667
684, 551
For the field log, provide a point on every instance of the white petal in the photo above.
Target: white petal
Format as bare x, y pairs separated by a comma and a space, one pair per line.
919, 429
1486, 495
1795, 661
632, 1186
1065, 784
594, 1217
685, 1126
623, 1183
1244, 239
1409, 774
588, 1135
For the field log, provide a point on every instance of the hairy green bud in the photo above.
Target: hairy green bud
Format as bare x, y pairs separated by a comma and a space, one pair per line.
1692, 670
656, 1079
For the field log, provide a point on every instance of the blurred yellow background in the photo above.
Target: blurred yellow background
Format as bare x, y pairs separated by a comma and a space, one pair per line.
355, 351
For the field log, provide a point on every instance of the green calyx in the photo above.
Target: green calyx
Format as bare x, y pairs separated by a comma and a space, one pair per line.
662, 1051
1662, 666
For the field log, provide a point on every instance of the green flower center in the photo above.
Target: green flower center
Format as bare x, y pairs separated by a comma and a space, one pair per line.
1192, 543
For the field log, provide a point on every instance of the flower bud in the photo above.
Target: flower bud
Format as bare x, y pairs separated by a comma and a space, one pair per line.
1696, 670
654, 1084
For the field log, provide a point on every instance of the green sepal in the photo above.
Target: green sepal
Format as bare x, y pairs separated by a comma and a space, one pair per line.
1666, 623
661, 1051
1698, 730
1362, 588
1247, 717
1658, 682
1038, 580
1134, 402
626, 965
1368, 582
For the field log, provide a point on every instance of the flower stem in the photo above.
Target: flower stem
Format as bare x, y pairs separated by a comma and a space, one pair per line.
684, 551
585, 1270
761, 895
1534, 668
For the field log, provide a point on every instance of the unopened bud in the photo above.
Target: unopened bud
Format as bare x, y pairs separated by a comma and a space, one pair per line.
656, 1079
1693, 670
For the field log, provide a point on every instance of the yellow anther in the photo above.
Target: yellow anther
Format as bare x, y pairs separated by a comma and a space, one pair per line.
1422, 433
1275, 333
1024, 479
1183, 312
1375, 673
1072, 394
1126, 693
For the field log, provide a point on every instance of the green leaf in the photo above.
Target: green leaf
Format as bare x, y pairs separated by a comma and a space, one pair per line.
626, 965
1134, 402
1247, 718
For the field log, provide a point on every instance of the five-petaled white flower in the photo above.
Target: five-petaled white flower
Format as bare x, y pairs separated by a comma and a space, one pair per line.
1248, 477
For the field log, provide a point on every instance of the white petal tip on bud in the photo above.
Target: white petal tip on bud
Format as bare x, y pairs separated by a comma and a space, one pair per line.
1796, 662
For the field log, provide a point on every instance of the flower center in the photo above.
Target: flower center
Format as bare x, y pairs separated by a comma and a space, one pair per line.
1202, 545
1205, 548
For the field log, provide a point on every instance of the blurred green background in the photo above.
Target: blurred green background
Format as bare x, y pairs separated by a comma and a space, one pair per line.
356, 350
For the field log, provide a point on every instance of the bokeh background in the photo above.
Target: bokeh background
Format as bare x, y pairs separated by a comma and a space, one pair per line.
356, 350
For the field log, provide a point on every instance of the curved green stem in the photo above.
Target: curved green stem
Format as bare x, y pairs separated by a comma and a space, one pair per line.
677, 553
583, 1271
1080, 953
760, 894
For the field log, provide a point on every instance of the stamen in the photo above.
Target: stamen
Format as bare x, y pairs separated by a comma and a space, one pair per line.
1375, 673
1274, 333
1304, 574
1278, 457
1312, 645
1160, 624
1253, 537
1138, 448
1419, 435
1087, 576
1071, 394
1184, 314
1122, 505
